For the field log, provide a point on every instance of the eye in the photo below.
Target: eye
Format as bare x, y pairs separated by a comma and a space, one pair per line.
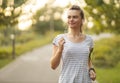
69, 17
75, 16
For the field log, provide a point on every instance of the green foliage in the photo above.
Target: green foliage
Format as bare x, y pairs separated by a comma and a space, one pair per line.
32, 44
48, 21
111, 75
59, 25
4, 62
16, 3
44, 26
41, 27
10, 18
107, 51
24, 37
105, 15
19, 2
7, 22
4, 41
94, 2
5, 52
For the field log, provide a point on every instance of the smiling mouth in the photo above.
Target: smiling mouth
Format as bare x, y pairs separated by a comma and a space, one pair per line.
71, 23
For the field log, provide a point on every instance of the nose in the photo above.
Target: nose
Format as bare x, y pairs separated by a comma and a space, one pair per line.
71, 19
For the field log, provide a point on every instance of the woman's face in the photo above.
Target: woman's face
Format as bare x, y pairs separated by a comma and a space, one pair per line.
74, 19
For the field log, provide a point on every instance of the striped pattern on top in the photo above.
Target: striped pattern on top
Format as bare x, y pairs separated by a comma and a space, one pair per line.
75, 60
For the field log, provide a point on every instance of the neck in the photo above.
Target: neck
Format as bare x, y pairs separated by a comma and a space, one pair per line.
74, 32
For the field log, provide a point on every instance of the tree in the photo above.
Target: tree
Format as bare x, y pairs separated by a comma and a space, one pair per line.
9, 12
105, 14
46, 21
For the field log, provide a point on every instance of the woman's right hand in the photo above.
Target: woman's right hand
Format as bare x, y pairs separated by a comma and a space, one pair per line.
61, 44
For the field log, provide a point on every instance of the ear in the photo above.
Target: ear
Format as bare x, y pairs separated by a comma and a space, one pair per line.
83, 21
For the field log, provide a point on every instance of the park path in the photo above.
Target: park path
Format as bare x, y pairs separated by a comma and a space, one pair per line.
34, 67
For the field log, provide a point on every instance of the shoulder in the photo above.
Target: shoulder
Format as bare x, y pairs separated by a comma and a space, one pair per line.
89, 37
90, 41
59, 36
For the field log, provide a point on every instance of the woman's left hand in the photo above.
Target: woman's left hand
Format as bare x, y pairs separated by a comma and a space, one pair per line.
92, 74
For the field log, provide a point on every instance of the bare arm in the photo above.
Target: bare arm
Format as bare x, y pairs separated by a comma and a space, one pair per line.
90, 62
92, 72
57, 53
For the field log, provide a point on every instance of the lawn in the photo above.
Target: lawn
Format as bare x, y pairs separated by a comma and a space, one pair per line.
108, 75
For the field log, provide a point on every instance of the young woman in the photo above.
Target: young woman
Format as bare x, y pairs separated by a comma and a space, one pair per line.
74, 48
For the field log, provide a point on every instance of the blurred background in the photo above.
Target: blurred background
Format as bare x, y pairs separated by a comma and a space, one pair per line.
31, 24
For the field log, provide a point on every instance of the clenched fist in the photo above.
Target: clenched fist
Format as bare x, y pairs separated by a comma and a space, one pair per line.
61, 44
92, 74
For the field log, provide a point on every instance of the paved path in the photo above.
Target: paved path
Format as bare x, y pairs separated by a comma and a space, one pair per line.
32, 67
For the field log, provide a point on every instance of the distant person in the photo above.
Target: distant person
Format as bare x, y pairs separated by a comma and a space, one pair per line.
74, 48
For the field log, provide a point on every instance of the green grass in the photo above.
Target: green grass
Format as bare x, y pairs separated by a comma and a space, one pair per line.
108, 75
4, 62
20, 49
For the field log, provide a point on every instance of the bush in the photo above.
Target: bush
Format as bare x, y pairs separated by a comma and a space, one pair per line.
5, 52
25, 37
107, 51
